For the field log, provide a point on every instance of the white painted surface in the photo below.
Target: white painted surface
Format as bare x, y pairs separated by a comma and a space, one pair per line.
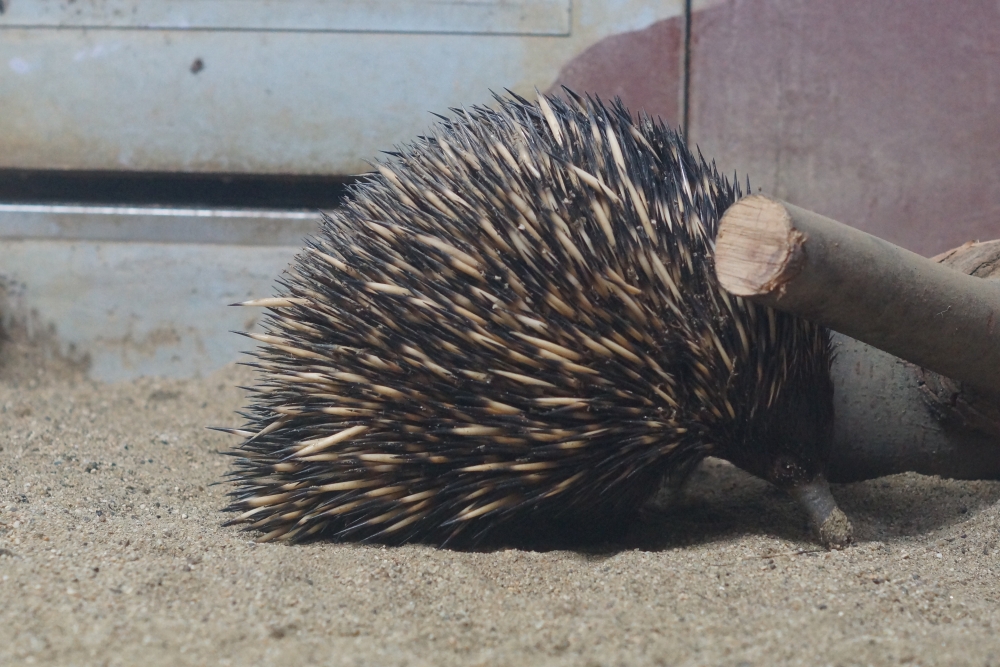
520, 17
142, 308
263, 101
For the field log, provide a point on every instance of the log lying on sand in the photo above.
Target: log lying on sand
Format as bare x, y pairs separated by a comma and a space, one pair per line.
891, 415
888, 420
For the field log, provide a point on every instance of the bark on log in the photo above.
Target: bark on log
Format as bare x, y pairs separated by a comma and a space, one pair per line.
888, 420
892, 416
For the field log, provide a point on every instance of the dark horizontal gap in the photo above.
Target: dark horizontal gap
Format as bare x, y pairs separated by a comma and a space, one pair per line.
181, 190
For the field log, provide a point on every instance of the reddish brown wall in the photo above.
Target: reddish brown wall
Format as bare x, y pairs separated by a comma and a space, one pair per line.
641, 67
884, 115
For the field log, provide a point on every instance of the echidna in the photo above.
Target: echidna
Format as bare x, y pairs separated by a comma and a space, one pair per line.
515, 323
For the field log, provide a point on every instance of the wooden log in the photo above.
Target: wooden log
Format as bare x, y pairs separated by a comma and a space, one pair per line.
887, 421
779, 255
891, 416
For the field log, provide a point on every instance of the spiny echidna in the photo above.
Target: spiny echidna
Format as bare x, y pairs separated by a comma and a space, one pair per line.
516, 323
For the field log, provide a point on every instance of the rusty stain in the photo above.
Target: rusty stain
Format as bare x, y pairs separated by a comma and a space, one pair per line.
137, 308
146, 345
642, 67
783, 91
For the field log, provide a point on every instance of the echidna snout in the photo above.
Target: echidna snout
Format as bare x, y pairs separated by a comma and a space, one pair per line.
516, 322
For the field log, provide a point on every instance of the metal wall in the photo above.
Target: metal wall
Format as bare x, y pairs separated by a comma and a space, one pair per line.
282, 86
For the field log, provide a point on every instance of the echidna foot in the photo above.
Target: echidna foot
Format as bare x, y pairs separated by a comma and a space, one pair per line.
831, 525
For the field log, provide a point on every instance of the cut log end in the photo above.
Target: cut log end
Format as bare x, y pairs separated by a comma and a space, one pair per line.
758, 249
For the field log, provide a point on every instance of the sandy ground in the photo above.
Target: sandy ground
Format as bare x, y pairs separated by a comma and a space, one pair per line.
112, 553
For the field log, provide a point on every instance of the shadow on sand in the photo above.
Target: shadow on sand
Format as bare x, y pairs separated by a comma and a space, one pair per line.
721, 502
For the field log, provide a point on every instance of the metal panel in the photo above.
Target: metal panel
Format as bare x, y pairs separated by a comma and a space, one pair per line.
491, 17
156, 225
143, 291
260, 101
141, 308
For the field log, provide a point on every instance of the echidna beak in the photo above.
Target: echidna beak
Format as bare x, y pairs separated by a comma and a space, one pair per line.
829, 522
